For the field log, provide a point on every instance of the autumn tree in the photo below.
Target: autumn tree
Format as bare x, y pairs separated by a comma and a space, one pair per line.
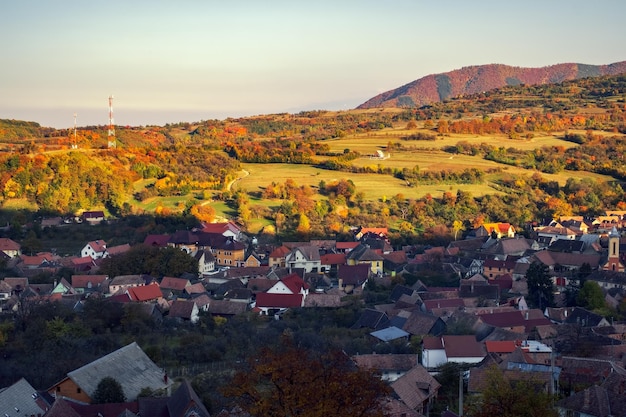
504, 398
203, 212
291, 381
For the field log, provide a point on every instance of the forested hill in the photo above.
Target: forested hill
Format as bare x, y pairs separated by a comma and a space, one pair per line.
480, 78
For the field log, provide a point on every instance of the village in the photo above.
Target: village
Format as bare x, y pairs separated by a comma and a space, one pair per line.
489, 319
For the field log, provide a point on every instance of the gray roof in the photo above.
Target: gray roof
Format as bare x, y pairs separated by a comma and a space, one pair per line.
390, 333
23, 397
129, 365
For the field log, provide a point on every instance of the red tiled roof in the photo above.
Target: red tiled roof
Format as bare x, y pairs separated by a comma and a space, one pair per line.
460, 346
294, 283
172, 283
432, 342
145, 292
196, 288
347, 245
93, 214
278, 300
8, 244
157, 240
182, 308
280, 252
220, 227
444, 303
82, 281
333, 259
38, 259
500, 346
98, 245
85, 260
119, 249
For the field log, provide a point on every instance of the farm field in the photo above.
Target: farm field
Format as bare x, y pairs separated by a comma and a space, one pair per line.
369, 143
374, 186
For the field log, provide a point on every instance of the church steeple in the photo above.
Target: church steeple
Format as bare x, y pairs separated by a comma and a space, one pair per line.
613, 262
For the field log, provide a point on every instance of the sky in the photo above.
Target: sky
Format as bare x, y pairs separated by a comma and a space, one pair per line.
169, 61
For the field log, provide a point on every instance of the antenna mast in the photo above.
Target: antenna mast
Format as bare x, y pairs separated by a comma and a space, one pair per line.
111, 135
74, 144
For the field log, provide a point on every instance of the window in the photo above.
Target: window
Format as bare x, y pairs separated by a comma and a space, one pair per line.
78, 391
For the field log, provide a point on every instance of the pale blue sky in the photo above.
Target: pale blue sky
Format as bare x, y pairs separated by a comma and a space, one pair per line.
171, 61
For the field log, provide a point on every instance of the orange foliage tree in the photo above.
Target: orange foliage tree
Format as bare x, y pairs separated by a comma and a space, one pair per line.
291, 381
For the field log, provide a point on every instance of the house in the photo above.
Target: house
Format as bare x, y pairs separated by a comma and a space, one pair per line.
498, 230
145, 293
550, 234
362, 254
419, 323
10, 248
226, 308
184, 240
345, 247
278, 256
515, 321
493, 268
159, 241
185, 310
372, 319
122, 283
93, 217
417, 389
63, 287
227, 229
228, 252
95, 250
87, 283
272, 303
21, 396
437, 351
184, 402
306, 257
351, 277
291, 284
331, 262
206, 261
390, 366
129, 365
175, 285
362, 231
41, 260
253, 260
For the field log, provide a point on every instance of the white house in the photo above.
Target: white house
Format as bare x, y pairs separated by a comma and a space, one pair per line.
437, 351
95, 250
306, 257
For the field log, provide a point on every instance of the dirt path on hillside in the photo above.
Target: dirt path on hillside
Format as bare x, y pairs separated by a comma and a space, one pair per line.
229, 186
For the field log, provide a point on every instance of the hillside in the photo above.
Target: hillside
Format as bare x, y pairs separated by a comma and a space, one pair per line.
480, 78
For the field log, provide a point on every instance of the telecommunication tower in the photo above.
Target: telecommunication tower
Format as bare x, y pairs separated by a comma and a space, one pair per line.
74, 143
111, 135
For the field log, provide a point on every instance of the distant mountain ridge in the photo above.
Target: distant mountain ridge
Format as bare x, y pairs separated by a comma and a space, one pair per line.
479, 78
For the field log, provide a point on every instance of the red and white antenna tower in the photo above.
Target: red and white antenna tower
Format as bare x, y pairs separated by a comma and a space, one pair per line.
74, 143
111, 135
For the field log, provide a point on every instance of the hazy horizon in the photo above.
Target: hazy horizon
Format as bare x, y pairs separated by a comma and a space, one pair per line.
168, 62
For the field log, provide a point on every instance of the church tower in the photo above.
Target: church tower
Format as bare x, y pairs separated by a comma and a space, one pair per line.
613, 262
